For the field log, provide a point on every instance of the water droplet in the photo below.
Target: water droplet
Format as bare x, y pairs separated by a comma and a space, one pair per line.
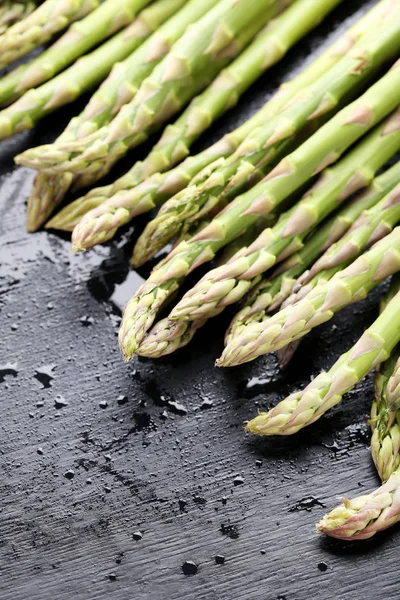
87, 321
60, 402
103, 404
219, 559
45, 375
322, 566
122, 400
112, 577
137, 535
238, 480
199, 500
182, 504
230, 530
307, 504
70, 474
189, 567
8, 369
177, 408
206, 404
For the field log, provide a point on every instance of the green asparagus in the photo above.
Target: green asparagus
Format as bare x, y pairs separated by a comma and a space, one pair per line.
267, 49
79, 39
375, 345
269, 294
320, 150
393, 389
364, 516
227, 284
84, 74
118, 89
213, 38
40, 26
318, 306
214, 291
13, 12
125, 202
385, 440
259, 149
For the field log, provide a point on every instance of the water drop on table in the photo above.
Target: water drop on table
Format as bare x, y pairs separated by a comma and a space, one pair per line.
189, 567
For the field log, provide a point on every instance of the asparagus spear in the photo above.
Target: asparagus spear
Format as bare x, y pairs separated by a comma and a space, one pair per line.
61, 188
227, 284
159, 96
318, 306
214, 291
74, 81
375, 345
393, 389
168, 336
40, 26
125, 202
118, 89
13, 12
364, 516
385, 441
269, 294
79, 39
266, 50
321, 149
259, 149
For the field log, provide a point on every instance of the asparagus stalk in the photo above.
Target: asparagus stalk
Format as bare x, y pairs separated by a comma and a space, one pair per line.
59, 189
125, 202
159, 96
40, 26
393, 389
385, 440
371, 226
215, 291
269, 294
321, 149
327, 389
79, 39
168, 336
66, 87
266, 50
227, 284
118, 89
13, 12
317, 307
259, 149
364, 516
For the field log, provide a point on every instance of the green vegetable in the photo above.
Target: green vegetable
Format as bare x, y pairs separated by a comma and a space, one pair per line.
79, 39
320, 150
375, 345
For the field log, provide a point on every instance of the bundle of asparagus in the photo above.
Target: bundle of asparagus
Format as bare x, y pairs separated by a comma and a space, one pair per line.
292, 204
41, 25
363, 517
14, 12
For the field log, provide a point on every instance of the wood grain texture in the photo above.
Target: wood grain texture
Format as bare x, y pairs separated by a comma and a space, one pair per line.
94, 451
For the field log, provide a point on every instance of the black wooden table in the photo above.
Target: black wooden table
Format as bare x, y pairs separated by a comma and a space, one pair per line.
138, 481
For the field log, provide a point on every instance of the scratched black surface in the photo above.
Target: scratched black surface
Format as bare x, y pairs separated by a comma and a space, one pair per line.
127, 481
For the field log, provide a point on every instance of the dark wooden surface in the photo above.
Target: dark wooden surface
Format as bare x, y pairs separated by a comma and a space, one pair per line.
94, 451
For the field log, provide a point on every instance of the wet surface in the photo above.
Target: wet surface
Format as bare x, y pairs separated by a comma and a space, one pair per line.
137, 480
